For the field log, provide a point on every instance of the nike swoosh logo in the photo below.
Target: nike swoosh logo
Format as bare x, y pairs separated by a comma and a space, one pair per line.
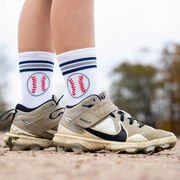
120, 137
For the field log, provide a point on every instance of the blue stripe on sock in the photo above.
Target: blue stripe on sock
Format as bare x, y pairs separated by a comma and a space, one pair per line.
35, 69
27, 62
77, 60
79, 69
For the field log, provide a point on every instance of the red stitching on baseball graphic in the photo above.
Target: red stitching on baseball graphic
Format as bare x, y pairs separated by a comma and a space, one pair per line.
43, 83
34, 84
73, 86
81, 84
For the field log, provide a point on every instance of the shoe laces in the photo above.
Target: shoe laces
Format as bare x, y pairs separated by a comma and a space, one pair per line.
122, 114
6, 116
52, 116
123, 117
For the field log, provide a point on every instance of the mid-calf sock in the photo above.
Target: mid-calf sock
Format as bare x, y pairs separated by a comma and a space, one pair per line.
36, 69
79, 68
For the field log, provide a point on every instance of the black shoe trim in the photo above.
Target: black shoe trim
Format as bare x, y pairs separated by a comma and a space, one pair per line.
99, 97
26, 109
120, 137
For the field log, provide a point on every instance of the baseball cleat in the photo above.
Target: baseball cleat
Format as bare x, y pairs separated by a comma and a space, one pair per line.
33, 128
97, 124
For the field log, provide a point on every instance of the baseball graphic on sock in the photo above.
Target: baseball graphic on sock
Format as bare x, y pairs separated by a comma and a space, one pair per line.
78, 84
38, 84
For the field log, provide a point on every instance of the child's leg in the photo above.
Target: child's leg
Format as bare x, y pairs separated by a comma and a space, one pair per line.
72, 24
73, 33
34, 26
36, 58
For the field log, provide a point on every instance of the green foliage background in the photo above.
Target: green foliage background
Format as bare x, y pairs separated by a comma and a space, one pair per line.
151, 94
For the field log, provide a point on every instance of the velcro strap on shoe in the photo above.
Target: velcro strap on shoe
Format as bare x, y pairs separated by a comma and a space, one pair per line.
95, 114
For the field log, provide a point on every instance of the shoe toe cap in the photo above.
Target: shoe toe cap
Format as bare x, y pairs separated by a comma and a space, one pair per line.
157, 134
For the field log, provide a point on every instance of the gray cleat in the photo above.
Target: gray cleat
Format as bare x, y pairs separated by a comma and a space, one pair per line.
97, 124
33, 128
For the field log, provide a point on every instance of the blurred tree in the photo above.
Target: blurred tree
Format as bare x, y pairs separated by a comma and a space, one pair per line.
5, 67
3, 108
171, 83
3, 83
135, 90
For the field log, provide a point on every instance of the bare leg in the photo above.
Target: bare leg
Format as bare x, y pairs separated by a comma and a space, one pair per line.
72, 23
34, 26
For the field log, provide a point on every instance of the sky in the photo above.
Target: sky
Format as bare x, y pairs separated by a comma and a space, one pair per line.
123, 28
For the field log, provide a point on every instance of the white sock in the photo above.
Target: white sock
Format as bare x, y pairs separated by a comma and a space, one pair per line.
36, 69
79, 68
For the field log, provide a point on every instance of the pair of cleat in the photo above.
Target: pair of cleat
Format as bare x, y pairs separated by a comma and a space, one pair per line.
94, 124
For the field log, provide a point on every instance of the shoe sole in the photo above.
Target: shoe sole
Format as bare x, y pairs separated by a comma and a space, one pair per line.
18, 142
80, 144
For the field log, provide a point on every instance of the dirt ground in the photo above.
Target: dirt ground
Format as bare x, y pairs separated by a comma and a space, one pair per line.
50, 165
